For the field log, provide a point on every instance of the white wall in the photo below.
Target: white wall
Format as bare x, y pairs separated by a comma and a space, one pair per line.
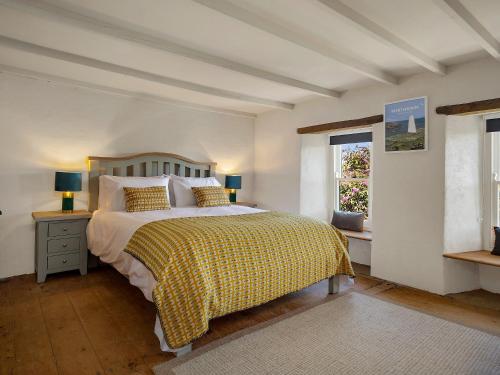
360, 251
489, 278
277, 156
314, 182
463, 205
408, 188
463, 183
46, 127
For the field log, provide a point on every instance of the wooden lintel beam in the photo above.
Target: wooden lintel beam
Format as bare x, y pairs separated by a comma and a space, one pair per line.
469, 108
339, 125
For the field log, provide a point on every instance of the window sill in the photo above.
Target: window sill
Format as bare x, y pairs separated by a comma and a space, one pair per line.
364, 236
477, 256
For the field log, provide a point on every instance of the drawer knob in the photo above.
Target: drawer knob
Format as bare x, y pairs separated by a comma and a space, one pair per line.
65, 261
65, 229
65, 245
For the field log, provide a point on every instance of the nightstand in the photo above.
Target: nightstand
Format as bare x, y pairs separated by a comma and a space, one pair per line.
60, 242
248, 204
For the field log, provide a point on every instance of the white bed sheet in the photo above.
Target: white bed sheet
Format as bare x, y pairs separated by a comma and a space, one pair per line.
108, 233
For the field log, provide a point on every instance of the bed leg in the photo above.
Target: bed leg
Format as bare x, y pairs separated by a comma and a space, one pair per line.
334, 284
184, 350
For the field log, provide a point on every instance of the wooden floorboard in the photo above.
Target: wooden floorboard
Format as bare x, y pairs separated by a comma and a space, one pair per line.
99, 324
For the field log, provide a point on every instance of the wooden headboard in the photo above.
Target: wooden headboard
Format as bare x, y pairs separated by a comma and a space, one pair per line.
143, 165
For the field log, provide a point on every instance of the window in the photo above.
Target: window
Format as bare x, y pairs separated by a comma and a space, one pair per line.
491, 178
352, 169
495, 148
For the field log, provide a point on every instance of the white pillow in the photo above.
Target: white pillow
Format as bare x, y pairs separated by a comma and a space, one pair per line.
182, 188
112, 196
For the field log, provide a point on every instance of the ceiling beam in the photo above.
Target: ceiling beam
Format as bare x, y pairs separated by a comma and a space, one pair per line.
385, 36
298, 37
121, 92
131, 72
471, 24
121, 30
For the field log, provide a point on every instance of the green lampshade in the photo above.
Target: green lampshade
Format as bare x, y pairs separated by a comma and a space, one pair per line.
68, 181
233, 182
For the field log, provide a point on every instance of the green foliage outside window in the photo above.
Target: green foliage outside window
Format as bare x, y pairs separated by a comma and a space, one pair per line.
353, 195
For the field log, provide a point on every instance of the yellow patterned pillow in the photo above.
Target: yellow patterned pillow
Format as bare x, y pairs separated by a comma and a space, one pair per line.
146, 199
210, 196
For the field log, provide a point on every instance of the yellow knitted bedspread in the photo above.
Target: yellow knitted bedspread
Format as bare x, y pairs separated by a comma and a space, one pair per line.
206, 267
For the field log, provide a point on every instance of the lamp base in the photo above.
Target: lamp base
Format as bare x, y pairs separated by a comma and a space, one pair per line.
232, 196
67, 202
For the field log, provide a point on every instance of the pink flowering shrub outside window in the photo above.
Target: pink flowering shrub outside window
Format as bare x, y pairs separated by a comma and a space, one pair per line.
355, 172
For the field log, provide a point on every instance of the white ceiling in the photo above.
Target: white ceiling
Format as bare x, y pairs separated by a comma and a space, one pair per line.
247, 56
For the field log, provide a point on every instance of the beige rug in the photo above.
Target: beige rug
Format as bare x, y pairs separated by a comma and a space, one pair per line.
353, 334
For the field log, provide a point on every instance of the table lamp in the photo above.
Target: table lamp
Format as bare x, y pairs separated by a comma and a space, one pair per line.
233, 182
68, 182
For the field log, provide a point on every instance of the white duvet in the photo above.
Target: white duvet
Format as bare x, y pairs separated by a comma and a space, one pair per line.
108, 233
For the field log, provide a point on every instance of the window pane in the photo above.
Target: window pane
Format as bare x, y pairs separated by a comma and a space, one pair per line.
355, 160
353, 196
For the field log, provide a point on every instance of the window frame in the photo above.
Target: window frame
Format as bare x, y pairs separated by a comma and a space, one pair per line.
491, 183
337, 178
495, 179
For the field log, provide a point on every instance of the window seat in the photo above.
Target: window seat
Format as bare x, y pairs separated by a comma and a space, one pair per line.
364, 236
476, 256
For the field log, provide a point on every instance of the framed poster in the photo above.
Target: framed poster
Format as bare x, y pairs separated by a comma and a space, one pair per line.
405, 125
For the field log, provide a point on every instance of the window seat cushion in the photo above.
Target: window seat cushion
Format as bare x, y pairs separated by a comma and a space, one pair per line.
352, 221
496, 249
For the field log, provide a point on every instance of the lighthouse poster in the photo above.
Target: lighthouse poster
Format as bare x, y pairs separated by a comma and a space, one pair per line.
405, 124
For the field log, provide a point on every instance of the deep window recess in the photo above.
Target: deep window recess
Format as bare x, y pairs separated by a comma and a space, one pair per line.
352, 173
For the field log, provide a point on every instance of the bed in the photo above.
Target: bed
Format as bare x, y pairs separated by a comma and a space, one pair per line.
113, 236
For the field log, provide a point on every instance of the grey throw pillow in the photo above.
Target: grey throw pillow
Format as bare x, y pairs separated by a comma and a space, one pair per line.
348, 220
496, 249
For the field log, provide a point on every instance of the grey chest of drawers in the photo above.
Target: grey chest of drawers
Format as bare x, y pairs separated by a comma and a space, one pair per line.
60, 242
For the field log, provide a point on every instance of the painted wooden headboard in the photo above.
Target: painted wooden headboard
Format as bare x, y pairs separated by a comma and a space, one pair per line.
143, 165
